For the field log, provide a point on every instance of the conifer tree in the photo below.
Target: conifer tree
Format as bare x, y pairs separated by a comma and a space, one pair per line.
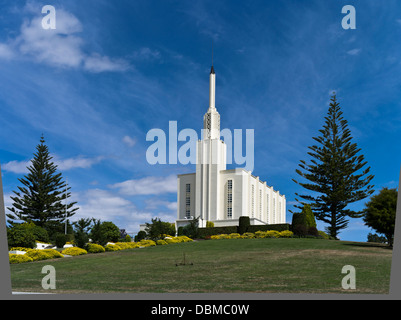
335, 174
42, 197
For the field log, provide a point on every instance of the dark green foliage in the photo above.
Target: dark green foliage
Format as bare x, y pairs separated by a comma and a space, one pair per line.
27, 233
157, 228
21, 235
103, 232
60, 240
140, 236
55, 227
304, 223
81, 231
335, 173
42, 197
376, 238
180, 231
380, 211
244, 223
267, 227
192, 229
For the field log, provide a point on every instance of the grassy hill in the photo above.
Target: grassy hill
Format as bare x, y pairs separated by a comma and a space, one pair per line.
234, 265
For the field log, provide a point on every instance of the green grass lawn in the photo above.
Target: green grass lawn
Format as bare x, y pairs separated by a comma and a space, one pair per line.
233, 265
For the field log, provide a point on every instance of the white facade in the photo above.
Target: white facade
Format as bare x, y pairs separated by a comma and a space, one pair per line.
218, 195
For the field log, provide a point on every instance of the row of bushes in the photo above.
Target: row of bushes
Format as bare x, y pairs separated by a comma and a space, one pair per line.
33, 255
208, 232
257, 234
37, 254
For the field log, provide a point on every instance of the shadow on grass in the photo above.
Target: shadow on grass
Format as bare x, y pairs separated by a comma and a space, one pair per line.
368, 245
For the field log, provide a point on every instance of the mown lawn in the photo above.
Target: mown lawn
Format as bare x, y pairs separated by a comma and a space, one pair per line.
232, 265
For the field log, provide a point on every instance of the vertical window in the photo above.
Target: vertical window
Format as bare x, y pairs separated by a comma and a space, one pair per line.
267, 208
253, 201
229, 199
188, 200
274, 210
279, 211
260, 204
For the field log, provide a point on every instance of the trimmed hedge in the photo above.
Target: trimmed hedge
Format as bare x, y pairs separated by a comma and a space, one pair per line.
207, 232
257, 234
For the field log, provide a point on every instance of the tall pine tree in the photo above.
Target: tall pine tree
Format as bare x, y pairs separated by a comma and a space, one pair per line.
335, 173
42, 197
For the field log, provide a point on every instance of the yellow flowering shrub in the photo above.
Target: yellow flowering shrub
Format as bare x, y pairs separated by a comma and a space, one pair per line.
286, 234
36, 254
74, 251
183, 239
234, 236
171, 240
146, 243
220, 236
127, 245
161, 242
112, 247
94, 248
19, 258
248, 235
53, 253
20, 249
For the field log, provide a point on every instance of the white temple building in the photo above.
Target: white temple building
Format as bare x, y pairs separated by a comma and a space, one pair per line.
221, 196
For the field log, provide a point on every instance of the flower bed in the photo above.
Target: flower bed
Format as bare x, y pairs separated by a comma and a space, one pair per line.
257, 234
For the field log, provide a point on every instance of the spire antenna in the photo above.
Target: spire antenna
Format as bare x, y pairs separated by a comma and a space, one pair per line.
212, 52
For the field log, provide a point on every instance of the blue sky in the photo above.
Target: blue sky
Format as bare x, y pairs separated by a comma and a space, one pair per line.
113, 70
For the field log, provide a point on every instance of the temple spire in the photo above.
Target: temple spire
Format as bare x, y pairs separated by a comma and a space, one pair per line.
211, 120
212, 89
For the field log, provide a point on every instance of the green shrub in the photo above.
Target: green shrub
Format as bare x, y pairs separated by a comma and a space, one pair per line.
19, 258
323, 235
207, 232
60, 240
244, 223
278, 227
21, 235
140, 236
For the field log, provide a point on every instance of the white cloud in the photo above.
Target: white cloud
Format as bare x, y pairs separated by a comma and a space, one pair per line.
78, 162
156, 203
60, 47
20, 167
6, 52
148, 185
130, 142
106, 206
16, 166
354, 52
96, 63
146, 53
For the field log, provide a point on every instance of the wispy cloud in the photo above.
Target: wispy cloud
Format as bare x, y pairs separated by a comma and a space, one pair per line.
130, 142
21, 167
354, 52
61, 47
147, 186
